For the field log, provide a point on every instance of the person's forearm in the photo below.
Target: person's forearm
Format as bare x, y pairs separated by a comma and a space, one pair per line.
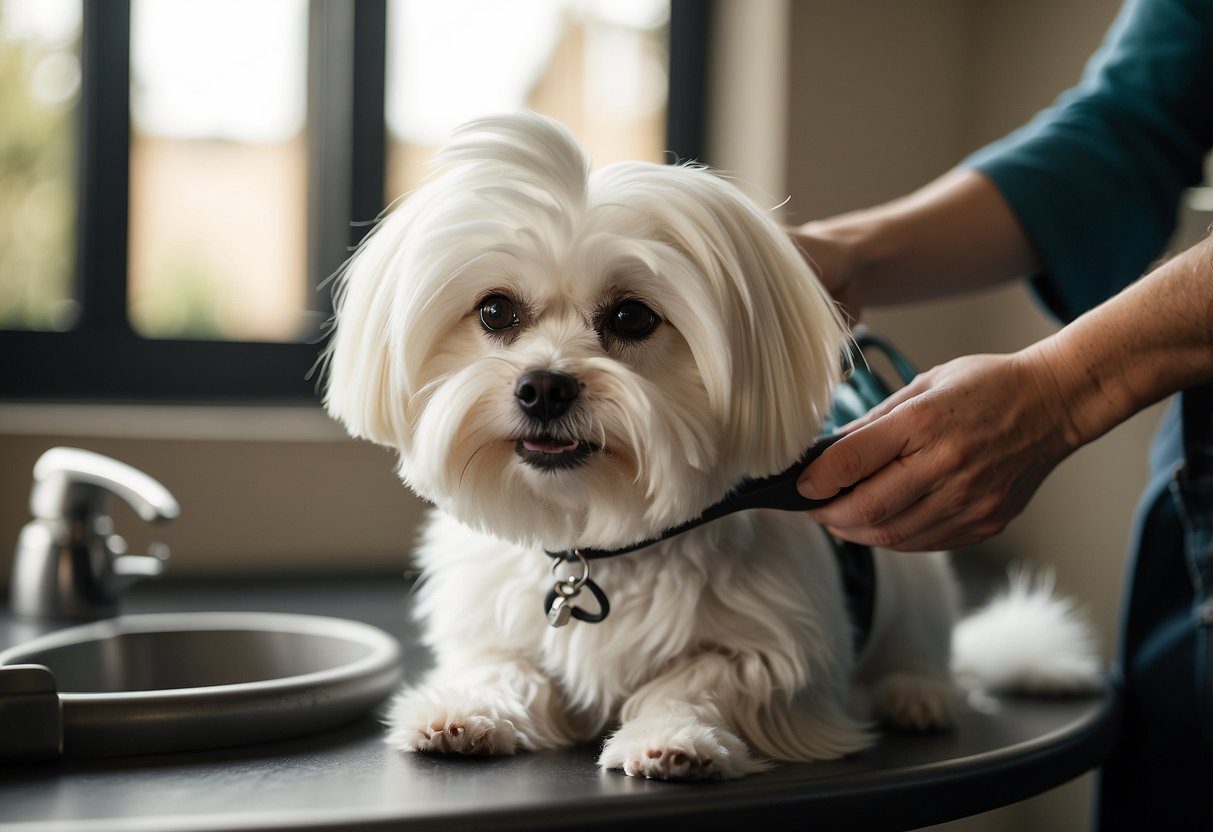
1152, 340
955, 235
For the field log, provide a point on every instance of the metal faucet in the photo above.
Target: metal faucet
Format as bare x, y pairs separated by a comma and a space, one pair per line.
69, 563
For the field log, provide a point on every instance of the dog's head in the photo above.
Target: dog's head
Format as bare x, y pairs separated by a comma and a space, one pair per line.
578, 359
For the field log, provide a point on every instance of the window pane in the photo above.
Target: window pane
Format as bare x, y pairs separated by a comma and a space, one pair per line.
39, 89
599, 66
218, 169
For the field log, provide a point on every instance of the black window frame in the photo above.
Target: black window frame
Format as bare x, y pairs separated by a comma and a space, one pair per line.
102, 358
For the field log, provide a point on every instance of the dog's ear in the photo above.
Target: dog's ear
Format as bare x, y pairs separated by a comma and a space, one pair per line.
786, 335
788, 339
396, 297
364, 388
392, 303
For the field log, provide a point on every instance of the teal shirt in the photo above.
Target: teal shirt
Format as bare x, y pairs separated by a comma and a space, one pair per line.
1096, 179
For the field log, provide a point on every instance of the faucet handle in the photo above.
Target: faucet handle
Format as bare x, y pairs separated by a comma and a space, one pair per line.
70, 482
126, 569
69, 563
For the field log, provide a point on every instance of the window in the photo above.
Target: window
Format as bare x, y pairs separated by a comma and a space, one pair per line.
177, 177
39, 89
599, 67
218, 178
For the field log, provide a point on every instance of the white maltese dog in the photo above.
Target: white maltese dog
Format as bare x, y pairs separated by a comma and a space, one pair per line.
571, 360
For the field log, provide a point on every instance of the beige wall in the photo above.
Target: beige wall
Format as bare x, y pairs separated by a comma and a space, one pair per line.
308, 499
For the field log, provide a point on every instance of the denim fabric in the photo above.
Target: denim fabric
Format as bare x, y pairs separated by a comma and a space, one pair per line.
1160, 774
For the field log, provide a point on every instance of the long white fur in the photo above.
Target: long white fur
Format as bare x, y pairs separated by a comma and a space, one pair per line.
726, 647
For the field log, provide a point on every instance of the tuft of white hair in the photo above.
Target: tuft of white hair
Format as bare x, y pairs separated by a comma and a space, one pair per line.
1027, 640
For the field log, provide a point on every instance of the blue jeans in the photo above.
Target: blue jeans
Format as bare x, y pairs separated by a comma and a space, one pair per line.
1160, 774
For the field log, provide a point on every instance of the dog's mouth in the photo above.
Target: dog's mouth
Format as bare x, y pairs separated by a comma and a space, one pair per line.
548, 453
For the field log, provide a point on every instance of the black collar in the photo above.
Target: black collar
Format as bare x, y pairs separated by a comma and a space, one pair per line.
855, 563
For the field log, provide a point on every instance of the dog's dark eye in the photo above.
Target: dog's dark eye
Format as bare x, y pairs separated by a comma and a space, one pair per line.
632, 319
497, 313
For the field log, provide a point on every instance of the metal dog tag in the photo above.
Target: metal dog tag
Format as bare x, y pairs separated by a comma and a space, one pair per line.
561, 612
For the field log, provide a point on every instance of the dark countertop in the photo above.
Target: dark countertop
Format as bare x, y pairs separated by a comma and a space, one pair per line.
1004, 749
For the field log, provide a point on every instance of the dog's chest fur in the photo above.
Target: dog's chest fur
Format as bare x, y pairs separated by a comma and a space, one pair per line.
760, 588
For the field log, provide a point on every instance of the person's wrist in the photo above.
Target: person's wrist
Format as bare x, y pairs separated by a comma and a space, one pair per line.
845, 248
1082, 406
841, 253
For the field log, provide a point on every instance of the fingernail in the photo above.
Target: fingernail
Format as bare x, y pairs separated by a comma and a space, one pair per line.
805, 486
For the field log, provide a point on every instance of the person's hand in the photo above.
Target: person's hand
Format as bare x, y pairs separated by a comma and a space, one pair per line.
948, 460
830, 257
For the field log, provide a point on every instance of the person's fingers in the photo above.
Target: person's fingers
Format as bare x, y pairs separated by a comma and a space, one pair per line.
884, 495
935, 522
853, 458
976, 520
920, 524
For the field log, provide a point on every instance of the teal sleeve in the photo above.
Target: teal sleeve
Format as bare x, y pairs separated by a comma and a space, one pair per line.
1096, 179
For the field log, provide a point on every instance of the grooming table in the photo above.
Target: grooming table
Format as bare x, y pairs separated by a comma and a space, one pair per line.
1003, 750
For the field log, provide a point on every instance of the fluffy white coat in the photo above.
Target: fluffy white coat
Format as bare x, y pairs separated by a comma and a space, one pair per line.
727, 647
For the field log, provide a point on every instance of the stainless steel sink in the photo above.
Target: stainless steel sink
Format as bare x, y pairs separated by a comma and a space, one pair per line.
180, 681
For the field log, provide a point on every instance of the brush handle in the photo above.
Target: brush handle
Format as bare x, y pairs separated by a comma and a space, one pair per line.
778, 491
774, 492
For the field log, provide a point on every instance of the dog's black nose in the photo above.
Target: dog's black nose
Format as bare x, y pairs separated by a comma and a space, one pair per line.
546, 396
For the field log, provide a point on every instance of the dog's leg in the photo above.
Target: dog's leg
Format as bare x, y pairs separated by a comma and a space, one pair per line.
907, 664
676, 727
480, 704
687, 724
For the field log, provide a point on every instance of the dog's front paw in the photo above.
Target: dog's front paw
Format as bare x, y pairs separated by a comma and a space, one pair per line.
446, 722
677, 749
